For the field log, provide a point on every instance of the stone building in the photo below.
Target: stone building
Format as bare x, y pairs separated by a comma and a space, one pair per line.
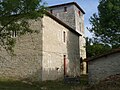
103, 66
73, 15
51, 54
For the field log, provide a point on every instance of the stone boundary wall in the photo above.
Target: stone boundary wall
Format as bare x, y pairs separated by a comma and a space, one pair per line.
103, 67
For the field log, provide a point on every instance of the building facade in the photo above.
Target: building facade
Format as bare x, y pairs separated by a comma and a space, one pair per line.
51, 54
60, 51
73, 15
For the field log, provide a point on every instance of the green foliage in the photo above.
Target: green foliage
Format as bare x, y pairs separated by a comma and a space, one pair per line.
106, 25
14, 16
94, 48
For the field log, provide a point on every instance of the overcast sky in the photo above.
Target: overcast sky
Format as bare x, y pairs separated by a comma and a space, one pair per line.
89, 6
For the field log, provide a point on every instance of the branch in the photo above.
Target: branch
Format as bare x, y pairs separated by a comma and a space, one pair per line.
7, 24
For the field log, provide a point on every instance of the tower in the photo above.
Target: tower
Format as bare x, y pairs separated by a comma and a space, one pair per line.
73, 15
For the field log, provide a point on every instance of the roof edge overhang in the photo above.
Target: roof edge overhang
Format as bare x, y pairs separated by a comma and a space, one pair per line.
103, 55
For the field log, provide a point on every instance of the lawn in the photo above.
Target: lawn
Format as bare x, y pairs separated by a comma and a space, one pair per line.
46, 85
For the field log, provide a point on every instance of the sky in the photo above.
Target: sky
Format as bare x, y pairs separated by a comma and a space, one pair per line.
89, 6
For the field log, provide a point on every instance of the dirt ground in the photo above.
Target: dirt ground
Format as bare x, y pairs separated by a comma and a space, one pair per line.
110, 83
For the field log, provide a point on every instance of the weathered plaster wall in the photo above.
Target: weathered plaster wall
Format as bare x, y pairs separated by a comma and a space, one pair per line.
26, 64
54, 48
103, 67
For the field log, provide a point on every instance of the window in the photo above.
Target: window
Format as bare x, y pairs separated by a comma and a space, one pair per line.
65, 9
79, 13
64, 36
13, 33
80, 26
51, 11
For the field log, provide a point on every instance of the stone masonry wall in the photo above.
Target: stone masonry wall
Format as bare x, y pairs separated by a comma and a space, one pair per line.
79, 23
103, 67
40, 56
54, 49
66, 17
76, 21
26, 64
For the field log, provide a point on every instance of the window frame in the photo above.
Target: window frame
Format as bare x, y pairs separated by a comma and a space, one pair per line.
65, 9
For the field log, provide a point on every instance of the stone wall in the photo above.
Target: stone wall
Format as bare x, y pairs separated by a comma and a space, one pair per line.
79, 23
72, 18
54, 49
40, 56
82, 48
79, 20
103, 67
26, 63
67, 17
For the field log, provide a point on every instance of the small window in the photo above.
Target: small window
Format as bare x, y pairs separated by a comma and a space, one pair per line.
13, 33
51, 11
80, 25
79, 13
65, 9
64, 36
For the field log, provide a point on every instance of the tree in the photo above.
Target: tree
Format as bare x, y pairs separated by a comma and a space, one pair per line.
106, 25
94, 48
14, 16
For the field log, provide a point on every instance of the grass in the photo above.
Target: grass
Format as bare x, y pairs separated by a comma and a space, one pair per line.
16, 85
46, 85
60, 85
